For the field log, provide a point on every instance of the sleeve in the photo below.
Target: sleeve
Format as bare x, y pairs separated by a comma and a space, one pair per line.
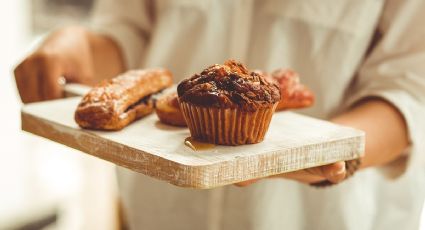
128, 22
394, 71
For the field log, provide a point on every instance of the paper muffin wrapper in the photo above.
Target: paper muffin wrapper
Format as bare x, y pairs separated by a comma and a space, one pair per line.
227, 126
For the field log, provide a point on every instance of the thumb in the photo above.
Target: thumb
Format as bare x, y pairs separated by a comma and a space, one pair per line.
335, 172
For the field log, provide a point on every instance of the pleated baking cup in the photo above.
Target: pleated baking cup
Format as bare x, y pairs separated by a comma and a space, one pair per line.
227, 126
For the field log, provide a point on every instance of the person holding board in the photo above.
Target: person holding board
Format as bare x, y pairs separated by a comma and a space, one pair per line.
364, 60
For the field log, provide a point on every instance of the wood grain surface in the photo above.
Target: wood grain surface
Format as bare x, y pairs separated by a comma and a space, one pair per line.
147, 146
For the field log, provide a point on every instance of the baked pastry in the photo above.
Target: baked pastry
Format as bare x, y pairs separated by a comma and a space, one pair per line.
115, 103
294, 94
228, 104
168, 110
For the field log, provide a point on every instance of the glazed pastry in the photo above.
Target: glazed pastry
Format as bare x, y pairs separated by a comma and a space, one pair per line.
117, 102
294, 94
228, 104
168, 110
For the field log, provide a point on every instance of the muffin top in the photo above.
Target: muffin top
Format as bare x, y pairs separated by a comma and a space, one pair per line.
230, 85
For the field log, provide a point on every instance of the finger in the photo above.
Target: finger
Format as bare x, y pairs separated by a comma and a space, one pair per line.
49, 76
246, 183
302, 176
26, 82
80, 74
335, 172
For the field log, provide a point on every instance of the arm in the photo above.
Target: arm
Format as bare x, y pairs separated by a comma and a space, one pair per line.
388, 97
385, 128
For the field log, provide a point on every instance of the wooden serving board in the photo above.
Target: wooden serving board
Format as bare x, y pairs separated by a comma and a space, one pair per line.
147, 146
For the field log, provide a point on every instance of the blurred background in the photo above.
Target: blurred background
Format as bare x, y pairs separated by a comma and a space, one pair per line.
44, 185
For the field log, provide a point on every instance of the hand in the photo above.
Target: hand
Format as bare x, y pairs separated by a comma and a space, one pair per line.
386, 138
334, 173
74, 53
64, 53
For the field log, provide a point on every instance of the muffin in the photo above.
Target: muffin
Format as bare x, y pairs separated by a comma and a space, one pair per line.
228, 104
